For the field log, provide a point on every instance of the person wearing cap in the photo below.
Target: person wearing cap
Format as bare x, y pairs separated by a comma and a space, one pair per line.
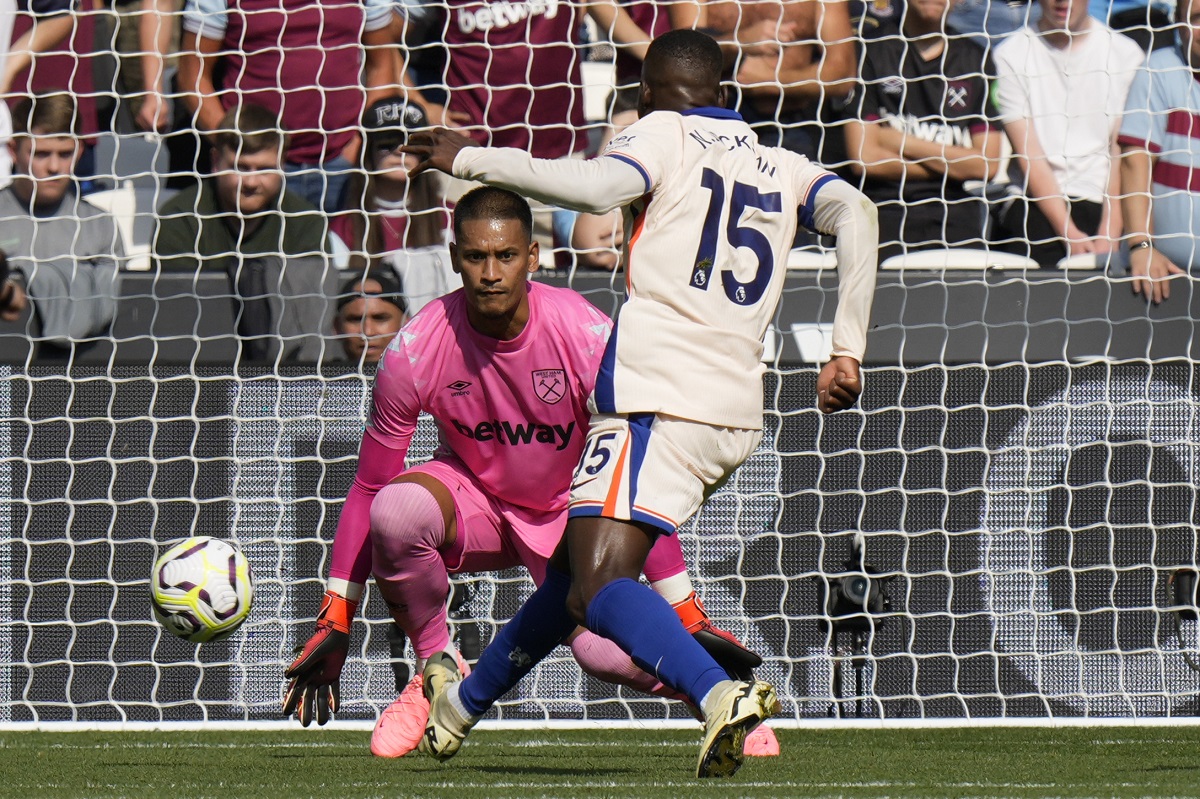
389, 220
370, 312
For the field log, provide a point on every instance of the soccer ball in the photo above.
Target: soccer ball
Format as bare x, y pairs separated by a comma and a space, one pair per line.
201, 589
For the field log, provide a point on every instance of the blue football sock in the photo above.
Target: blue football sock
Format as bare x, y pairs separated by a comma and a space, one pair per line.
644, 625
541, 624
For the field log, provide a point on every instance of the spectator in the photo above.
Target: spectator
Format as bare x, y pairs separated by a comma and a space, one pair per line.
300, 60
370, 312
156, 31
652, 18
923, 128
867, 15
1160, 147
273, 245
795, 63
588, 241
123, 91
393, 221
988, 22
52, 22
12, 299
1062, 86
515, 79
70, 65
62, 248
1147, 23
594, 241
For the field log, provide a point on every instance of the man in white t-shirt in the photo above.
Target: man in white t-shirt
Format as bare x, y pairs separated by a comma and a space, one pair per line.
677, 404
1062, 84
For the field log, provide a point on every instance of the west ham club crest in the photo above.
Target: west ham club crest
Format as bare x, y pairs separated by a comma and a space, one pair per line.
550, 385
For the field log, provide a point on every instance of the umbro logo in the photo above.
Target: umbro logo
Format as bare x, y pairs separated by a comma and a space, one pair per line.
459, 387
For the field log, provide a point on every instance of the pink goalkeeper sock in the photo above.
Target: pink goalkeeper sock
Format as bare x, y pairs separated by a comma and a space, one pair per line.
605, 661
665, 559
407, 528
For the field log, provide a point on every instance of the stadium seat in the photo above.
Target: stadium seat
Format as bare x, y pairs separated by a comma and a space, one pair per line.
1082, 261
133, 210
958, 258
811, 259
598, 77
138, 159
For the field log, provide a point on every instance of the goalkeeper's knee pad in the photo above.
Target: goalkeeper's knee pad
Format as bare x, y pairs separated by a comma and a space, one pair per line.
405, 517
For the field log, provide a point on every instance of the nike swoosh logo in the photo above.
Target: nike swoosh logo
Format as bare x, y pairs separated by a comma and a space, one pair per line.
581, 483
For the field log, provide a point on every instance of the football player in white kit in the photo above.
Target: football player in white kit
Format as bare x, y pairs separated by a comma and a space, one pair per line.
677, 405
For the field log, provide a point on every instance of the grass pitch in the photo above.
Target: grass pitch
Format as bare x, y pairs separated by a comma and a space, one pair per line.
1016, 762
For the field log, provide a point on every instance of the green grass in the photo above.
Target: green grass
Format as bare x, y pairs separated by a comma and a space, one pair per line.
1021, 762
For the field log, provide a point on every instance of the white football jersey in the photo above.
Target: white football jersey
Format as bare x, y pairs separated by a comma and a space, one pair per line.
705, 264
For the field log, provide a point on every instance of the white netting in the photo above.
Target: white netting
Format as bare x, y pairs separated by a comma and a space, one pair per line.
1023, 467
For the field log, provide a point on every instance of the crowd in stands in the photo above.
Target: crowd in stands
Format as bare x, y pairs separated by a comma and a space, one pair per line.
1050, 130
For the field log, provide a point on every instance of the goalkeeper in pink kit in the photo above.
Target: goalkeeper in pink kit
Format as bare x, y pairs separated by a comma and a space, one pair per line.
505, 368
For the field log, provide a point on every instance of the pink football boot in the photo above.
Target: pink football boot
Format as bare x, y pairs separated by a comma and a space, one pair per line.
761, 742
402, 724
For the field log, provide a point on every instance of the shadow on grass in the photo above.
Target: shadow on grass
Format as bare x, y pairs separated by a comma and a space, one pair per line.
1179, 768
546, 771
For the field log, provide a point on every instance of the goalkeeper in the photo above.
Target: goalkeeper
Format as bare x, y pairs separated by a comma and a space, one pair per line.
505, 367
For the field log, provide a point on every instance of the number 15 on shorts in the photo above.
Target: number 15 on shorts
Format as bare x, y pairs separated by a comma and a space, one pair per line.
606, 480
600, 486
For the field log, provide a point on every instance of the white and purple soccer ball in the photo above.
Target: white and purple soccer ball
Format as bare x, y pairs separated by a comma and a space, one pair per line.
201, 589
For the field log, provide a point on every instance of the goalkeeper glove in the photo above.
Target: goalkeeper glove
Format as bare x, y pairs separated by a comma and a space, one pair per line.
312, 690
730, 653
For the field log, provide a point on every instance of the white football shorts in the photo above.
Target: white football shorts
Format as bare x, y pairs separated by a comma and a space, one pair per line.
654, 469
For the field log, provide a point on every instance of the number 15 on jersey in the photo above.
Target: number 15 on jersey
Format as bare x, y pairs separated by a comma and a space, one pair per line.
742, 196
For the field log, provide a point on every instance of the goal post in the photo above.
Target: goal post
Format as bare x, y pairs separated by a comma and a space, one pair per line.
1024, 521
1012, 499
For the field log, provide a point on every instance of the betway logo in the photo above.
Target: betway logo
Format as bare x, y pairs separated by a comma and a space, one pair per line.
929, 130
506, 433
503, 14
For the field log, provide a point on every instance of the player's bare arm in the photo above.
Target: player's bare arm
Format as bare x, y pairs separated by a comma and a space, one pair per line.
436, 149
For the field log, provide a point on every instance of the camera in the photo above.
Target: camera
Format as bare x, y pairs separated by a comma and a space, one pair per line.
851, 600
1183, 593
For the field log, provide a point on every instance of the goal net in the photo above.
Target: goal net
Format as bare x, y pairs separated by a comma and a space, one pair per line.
1020, 476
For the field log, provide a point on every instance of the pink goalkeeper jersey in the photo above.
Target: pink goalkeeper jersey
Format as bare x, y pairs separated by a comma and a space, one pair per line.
513, 412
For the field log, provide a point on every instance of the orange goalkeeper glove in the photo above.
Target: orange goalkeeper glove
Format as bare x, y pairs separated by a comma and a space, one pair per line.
730, 653
312, 690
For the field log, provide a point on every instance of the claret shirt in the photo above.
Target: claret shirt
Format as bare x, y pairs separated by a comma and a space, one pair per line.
513, 67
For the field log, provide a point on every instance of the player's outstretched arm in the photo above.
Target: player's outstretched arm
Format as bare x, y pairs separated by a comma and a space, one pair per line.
312, 690
594, 186
839, 385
